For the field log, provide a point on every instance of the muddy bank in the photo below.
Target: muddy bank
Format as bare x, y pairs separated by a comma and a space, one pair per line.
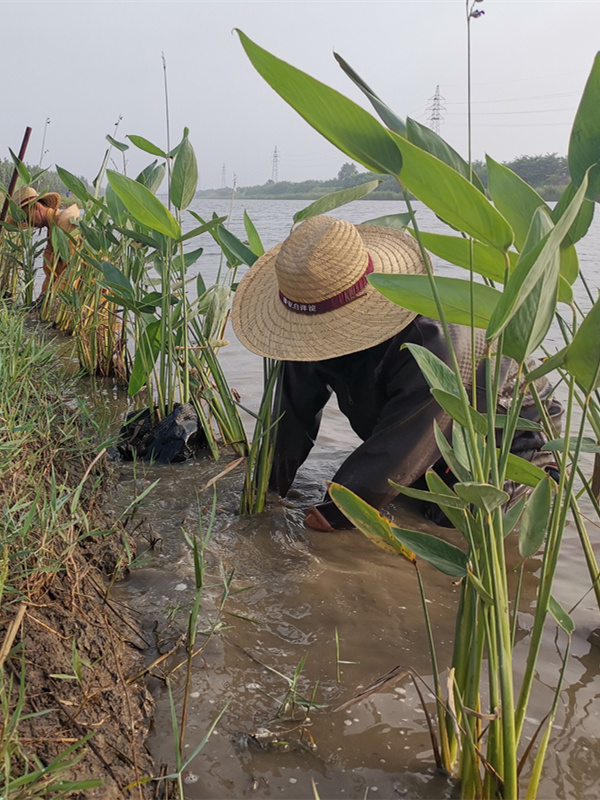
75, 709
80, 651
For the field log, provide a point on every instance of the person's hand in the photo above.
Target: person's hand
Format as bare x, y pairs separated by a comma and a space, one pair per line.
316, 521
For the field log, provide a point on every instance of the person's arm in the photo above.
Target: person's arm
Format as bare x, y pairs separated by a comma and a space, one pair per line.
299, 400
402, 445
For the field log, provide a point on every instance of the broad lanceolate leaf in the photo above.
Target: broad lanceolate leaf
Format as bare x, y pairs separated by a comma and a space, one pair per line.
152, 176
553, 362
76, 186
147, 146
487, 260
530, 323
560, 616
558, 445
584, 144
430, 141
143, 205
367, 520
234, 249
254, 240
582, 357
483, 495
584, 219
397, 221
453, 405
440, 554
335, 200
449, 457
451, 196
146, 353
450, 500
119, 145
437, 374
522, 471
414, 292
514, 199
531, 267
459, 518
344, 123
116, 280
393, 121
512, 516
184, 178
534, 522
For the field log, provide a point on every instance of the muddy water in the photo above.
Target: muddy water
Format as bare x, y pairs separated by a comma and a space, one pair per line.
293, 592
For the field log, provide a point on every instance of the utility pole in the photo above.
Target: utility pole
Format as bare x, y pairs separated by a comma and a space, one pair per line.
436, 107
42, 151
223, 178
275, 171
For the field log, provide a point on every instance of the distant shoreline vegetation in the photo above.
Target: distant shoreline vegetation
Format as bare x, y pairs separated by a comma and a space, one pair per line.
548, 174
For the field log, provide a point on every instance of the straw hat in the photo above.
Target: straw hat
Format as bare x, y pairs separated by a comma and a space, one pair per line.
308, 298
26, 195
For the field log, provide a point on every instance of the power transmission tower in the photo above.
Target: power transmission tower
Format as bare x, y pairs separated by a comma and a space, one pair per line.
275, 171
436, 107
223, 178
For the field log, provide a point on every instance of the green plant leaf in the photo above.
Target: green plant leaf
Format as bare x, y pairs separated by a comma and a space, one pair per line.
344, 123
397, 221
147, 146
254, 240
449, 457
334, 200
522, 471
522, 424
184, 178
487, 260
414, 293
528, 326
453, 405
483, 495
483, 593
152, 176
143, 205
116, 280
437, 373
24, 173
77, 186
367, 520
392, 120
445, 500
534, 521
514, 199
512, 516
440, 554
582, 357
530, 268
459, 518
583, 220
430, 141
560, 616
116, 208
146, 353
119, 145
452, 197
235, 250
558, 445
584, 144
549, 364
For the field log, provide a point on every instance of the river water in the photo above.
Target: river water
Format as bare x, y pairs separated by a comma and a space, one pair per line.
328, 613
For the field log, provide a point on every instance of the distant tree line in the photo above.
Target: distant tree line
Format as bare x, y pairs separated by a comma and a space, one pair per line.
48, 182
548, 174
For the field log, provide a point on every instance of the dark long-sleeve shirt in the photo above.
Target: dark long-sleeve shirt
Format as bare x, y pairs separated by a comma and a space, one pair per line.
388, 403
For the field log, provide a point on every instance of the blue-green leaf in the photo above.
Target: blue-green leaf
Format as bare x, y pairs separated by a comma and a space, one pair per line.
584, 144
414, 293
147, 146
534, 521
344, 123
336, 199
184, 178
143, 205
483, 495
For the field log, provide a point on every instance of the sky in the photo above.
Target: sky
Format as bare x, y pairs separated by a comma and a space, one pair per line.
77, 71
